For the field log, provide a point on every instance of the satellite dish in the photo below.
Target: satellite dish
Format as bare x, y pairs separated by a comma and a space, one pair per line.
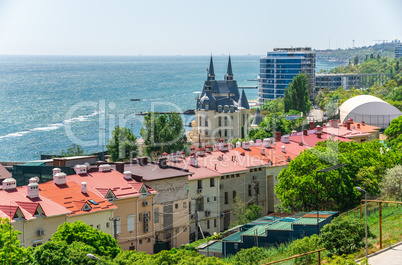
87, 165
37, 179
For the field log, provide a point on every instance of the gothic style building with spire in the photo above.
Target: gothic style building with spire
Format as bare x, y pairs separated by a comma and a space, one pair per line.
221, 112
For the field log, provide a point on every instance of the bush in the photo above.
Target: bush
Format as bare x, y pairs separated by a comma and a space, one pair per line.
249, 256
344, 235
305, 245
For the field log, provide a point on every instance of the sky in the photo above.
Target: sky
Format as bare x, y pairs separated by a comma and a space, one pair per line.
189, 27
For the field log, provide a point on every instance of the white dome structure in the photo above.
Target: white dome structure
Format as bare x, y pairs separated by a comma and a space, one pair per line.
372, 110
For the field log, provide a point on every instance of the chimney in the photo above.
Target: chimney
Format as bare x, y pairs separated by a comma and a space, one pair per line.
225, 148
348, 125
137, 178
143, 161
363, 123
318, 129
230, 146
83, 187
358, 126
319, 135
208, 148
283, 149
9, 184
56, 170
201, 151
293, 133
246, 145
104, 168
258, 142
164, 155
220, 144
194, 161
263, 151
192, 150
333, 123
174, 157
311, 125
266, 142
32, 190
285, 139
277, 136
59, 178
182, 154
305, 132
215, 148
127, 175
238, 144
120, 166
162, 162
80, 169
251, 143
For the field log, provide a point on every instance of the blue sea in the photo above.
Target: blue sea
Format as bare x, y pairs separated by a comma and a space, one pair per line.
47, 103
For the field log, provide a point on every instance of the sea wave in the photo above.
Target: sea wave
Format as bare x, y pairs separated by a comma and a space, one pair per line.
50, 127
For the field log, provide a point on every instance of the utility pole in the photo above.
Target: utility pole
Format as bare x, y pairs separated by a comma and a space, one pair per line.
114, 220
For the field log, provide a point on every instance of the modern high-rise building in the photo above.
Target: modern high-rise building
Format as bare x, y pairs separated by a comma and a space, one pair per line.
279, 67
398, 51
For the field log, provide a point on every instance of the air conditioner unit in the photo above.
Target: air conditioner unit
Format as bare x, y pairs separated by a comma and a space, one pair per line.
41, 232
146, 225
145, 203
199, 190
222, 215
146, 230
146, 215
146, 220
207, 213
221, 186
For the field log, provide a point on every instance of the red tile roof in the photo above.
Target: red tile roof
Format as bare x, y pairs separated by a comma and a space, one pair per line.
18, 198
273, 154
101, 182
4, 172
70, 196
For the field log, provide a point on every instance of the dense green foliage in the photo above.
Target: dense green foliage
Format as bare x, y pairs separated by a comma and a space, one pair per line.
394, 134
10, 245
103, 243
296, 96
122, 146
73, 150
245, 213
391, 184
344, 235
163, 133
250, 256
366, 164
304, 245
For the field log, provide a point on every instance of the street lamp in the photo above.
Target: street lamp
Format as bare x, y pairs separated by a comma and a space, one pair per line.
365, 202
335, 167
92, 256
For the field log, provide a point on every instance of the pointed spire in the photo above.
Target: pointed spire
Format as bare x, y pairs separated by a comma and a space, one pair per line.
229, 74
243, 102
257, 118
211, 73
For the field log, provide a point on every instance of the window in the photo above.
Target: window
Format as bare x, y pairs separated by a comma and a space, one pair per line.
215, 223
208, 226
226, 197
249, 190
176, 206
37, 243
107, 225
206, 121
140, 217
226, 133
226, 121
219, 121
207, 199
234, 195
200, 121
214, 199
149, 240
156, 215
140, 242
130, 223
177, 230
220, 133
184, 205
118, 226
199, 184
98, 227
184, 228
212, 182
231, 121
258, 188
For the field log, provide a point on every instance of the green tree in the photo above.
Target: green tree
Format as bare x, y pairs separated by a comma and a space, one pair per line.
10, 245
104, 244
394, 133
391, 184
344, 235
273, 106
245, 213
249, 256
296, 96
356, 60
163, 133
73, 150
122, 145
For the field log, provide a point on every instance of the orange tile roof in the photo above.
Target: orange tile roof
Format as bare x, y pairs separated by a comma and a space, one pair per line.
70, 196
365, 128
18, 198
101, 182
272, 154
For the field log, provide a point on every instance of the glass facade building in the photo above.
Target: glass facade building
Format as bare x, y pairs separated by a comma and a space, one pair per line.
279, 67
398, 51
